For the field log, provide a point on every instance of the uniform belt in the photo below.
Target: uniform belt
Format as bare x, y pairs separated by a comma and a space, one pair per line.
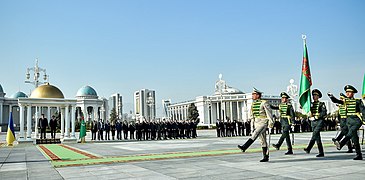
261, 117
343, 117
355, 114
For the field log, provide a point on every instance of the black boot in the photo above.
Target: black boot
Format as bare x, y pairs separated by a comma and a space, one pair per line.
290, 151
276, 146
342, 143
246, 145
266, 156
320, 150
358, 152
309, 147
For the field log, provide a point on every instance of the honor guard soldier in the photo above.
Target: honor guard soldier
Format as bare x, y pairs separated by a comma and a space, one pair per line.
355, 112
316, 115
261, 115
343, 120
287, 116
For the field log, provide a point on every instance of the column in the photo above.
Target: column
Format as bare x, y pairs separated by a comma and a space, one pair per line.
21, 116
73, 111
230, 110
218, 111
93, 114
62, 122
67, 119
36, 122
48, 114
238, 111
1, 112
10, 109
29, 122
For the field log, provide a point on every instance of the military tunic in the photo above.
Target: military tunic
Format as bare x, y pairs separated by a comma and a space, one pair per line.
355, 112
287, 116
261, 115
318, 112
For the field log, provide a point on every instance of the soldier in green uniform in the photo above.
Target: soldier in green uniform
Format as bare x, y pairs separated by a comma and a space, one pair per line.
261, 115
316, 115
287, 116
342, 117
355, 112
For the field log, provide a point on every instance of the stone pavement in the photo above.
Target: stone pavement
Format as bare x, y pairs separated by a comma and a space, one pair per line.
27, 162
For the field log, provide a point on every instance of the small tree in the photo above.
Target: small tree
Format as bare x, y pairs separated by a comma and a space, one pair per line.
193, 112
113, 116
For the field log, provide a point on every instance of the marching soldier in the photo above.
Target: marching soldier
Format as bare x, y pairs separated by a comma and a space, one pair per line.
342, 117
261, 115
287, 116
317, 113
355, 112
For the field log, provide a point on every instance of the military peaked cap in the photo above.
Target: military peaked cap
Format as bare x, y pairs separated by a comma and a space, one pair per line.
256, 91
350, 88
284, 95
317, 92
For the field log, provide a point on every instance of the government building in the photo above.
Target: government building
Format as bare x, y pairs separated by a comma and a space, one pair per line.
227, 103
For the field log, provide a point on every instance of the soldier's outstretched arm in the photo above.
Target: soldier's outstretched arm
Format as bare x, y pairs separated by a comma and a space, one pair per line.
334, 99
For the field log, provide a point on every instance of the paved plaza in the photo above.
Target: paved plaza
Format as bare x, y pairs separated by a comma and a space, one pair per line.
26, 161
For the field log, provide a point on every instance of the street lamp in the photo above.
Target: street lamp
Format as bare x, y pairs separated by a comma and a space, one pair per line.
36, 74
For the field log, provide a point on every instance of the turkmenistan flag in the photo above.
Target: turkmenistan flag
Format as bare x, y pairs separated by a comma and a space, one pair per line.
305, 83
82, 129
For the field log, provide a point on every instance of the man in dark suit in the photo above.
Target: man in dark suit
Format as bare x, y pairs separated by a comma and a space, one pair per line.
53, 126
100, 130
94, 130
43, 124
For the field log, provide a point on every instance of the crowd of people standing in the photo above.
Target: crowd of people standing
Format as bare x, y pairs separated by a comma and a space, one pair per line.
145, 130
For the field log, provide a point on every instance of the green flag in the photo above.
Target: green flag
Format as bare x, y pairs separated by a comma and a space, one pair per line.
82, 129
305, 83
363, 88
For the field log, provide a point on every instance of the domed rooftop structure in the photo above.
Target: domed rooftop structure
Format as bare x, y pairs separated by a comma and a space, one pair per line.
47, 91
87, 91
18, 94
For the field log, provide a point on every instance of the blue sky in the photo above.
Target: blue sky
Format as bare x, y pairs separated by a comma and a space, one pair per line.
178, 47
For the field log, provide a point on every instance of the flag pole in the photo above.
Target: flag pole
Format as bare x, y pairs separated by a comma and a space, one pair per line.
304, 37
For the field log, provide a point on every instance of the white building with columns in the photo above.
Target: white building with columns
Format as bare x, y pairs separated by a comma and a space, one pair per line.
49, 100
46, 99
226, 103
90, 106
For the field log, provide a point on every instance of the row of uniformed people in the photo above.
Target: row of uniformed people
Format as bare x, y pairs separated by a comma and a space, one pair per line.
232, 128
353, 113
153, 130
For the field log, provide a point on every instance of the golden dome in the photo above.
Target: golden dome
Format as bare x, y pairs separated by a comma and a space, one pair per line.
47, 91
